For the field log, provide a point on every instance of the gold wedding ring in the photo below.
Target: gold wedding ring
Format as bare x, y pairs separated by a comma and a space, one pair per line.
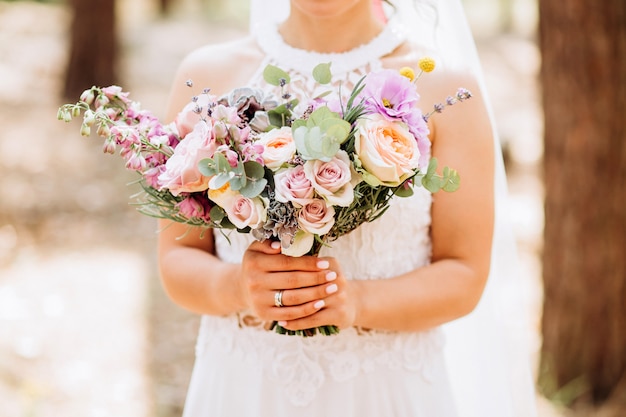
278, 298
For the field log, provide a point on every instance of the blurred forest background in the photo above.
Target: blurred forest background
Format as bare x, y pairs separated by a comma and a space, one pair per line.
85, 329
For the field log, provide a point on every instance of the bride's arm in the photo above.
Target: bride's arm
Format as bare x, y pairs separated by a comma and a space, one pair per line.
192, 275
462, 227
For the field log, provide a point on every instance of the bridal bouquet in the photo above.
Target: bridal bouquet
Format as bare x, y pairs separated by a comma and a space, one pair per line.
266, 164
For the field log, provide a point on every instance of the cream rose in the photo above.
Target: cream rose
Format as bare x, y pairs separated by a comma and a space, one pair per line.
181, 169
241, 211
386, 149
332, 179
278, 147
292, 185
302, 244
316, 217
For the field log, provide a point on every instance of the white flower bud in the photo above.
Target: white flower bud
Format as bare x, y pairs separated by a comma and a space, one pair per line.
87, 96
89, 118
85, 130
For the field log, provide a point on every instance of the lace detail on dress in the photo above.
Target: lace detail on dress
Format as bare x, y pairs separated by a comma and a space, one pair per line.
300, 366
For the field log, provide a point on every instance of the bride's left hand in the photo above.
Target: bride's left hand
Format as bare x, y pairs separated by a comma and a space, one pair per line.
340, 308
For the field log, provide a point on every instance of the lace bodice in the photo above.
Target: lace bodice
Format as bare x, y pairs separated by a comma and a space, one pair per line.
396, 243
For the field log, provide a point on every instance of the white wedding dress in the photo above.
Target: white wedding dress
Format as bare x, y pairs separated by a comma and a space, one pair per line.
242, 369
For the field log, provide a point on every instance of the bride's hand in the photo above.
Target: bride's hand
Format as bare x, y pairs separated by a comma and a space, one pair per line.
306, 283
340, 306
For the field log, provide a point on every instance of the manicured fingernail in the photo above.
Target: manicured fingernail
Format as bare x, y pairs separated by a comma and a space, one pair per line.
319, 304
331, 289
331, 276
282, 323
323, 264
275, 245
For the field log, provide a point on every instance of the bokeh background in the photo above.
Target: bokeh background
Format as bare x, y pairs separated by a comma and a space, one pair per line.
85, 329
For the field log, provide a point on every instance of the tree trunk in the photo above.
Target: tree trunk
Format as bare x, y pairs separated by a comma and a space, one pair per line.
583, 47
165, 7
93, 54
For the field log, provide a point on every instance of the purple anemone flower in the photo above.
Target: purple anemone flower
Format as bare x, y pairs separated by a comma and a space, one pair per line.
388, 93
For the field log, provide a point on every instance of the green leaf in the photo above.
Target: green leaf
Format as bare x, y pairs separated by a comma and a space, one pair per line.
432, 183
237, 182
220, 180
221, 163
452, 180
273, 75
403, 191
217, 214
319, 115
254, 170
253, 188
206, 167
321, 73
297, 123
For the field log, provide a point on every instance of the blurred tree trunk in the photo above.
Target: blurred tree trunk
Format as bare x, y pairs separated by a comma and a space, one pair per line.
93, 54
583, 47
165, 6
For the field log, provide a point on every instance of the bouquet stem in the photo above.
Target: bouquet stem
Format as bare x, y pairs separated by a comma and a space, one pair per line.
327, 330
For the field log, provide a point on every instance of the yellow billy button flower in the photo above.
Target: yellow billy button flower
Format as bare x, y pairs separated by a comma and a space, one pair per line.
408, 73
426, 64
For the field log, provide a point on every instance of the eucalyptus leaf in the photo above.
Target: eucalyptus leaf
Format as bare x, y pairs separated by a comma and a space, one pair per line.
206, 167
253, 188
254, 170
273, 75
220, 180
237, 182
221, 163
321, 73
432, 183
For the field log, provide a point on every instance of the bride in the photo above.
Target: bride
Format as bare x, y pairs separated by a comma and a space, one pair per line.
422, 295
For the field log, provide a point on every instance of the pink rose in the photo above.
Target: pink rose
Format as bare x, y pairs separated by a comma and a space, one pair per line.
181, 169
279, 147
188, 118
241, 211
387, 150
332, 179
191, 208
316, 217
292, 185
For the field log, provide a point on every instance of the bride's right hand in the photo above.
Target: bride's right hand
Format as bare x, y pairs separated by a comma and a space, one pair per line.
304, 281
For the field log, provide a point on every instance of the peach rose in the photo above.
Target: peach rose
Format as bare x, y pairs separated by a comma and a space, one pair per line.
279, 147
387, 149
292, 184
316, 217
241, 211
181, 169
332, 179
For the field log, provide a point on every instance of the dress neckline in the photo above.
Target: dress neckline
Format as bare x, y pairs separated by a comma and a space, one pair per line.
291, 58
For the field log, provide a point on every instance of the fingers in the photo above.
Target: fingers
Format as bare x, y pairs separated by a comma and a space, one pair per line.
266, 256
301, 296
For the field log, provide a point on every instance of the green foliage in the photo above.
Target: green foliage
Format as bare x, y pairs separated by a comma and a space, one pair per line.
275, 76
322, 74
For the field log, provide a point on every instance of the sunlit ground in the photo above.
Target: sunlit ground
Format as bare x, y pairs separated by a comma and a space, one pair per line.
85, 329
